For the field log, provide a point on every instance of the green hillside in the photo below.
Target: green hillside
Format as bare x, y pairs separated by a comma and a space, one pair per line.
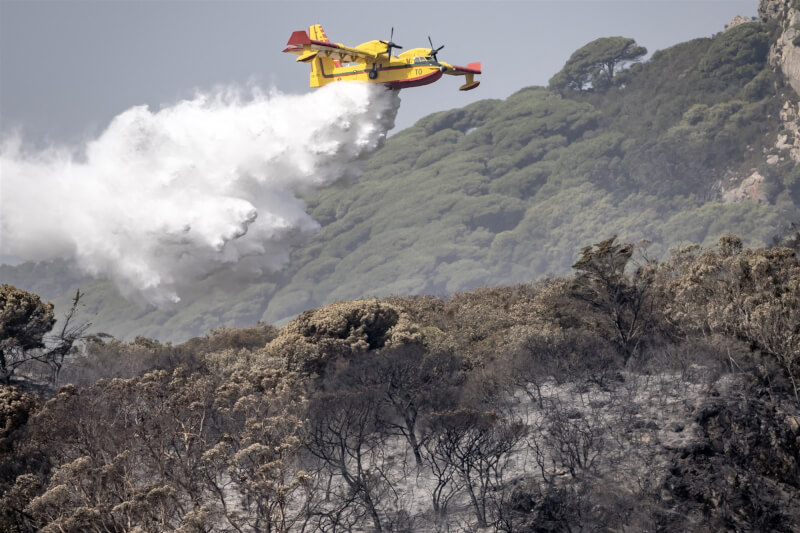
505, 191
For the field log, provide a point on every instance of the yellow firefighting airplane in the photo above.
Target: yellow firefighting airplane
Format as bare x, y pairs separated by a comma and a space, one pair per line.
373, 61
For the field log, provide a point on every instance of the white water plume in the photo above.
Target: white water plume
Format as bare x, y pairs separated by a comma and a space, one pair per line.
163, 199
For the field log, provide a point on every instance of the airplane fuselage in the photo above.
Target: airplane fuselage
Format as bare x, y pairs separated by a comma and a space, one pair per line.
394, 72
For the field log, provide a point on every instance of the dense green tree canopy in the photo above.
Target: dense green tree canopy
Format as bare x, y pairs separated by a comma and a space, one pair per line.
595, 64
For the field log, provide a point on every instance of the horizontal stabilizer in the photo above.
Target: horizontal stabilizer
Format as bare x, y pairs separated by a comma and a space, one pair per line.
474, 68
299, 37
308, 56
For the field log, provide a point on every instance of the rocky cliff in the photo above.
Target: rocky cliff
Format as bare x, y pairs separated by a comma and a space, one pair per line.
785, 54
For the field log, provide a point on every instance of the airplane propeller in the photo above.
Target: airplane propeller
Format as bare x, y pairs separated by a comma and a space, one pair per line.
434, 51
389, 44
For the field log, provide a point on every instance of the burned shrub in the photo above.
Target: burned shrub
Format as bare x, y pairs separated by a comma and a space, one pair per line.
317, 337
742, 473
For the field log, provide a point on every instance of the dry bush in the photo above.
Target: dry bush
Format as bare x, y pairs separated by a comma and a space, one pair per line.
24, 320
317, 337
476, 322
170, 449
17, 486
408, 383
741, 474
749, 294
345, 436
576, 440
532, 508
427, 311
535, 355
15, 408
472, 324
476, 446
226, 338
225, 349
117, 359
617, 305
226, 362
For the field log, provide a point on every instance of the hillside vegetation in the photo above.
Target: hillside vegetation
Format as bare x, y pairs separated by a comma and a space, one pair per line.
631, 395
503, 192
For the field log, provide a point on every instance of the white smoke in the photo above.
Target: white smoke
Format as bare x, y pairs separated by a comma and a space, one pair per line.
163, 199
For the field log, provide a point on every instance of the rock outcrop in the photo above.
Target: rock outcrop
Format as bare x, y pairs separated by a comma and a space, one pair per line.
789, 140
784, 52
737, 20
784, 55
750, 189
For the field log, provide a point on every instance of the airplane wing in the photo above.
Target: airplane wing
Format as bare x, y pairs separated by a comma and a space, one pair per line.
468, 72
307, 48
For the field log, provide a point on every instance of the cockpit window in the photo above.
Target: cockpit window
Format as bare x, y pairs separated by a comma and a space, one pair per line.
418, 60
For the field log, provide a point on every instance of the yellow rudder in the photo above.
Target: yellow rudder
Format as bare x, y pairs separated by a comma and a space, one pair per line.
320, 65
316, 33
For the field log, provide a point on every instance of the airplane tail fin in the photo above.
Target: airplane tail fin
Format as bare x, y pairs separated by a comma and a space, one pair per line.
318, 34
320, 65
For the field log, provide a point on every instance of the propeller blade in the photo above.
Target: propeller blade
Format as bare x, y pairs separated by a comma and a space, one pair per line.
390, 43
434, 51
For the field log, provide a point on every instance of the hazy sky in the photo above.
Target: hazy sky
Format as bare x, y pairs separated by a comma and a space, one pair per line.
68, 67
